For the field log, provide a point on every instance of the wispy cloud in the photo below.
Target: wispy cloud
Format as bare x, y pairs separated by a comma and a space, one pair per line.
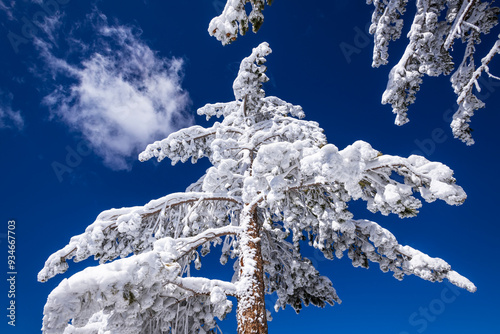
7, 9
121, 96
9, 118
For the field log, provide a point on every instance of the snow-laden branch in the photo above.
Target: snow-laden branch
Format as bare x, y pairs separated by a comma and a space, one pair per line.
293, 278
134, 291
433, 180
234, 19
172, 249
384, 249
193, 142
423, 55
386, 26
435, 27
456, 29
367, 174
134, 228
368, 241
464, 80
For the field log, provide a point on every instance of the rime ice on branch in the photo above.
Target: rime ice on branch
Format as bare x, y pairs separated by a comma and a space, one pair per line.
434, 29
275, 181
234, 19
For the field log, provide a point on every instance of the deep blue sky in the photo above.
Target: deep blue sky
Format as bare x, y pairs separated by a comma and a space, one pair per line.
307, 67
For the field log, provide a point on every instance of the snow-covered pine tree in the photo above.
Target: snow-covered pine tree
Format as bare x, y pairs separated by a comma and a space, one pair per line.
275, 182
435, 26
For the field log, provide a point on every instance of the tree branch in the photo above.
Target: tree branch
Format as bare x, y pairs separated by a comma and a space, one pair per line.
203, 286
455, 29
184, 246
477, 73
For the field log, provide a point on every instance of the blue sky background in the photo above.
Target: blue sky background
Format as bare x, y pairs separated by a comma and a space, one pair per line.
308, 68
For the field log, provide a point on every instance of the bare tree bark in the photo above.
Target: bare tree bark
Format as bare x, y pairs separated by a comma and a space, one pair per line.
251, 313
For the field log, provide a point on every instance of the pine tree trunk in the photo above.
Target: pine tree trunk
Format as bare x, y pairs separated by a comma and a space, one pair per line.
251, 313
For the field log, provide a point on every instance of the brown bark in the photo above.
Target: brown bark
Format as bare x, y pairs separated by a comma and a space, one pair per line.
251, 313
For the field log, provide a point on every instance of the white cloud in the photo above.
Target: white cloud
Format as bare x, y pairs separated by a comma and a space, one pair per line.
9, 118
123, 95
